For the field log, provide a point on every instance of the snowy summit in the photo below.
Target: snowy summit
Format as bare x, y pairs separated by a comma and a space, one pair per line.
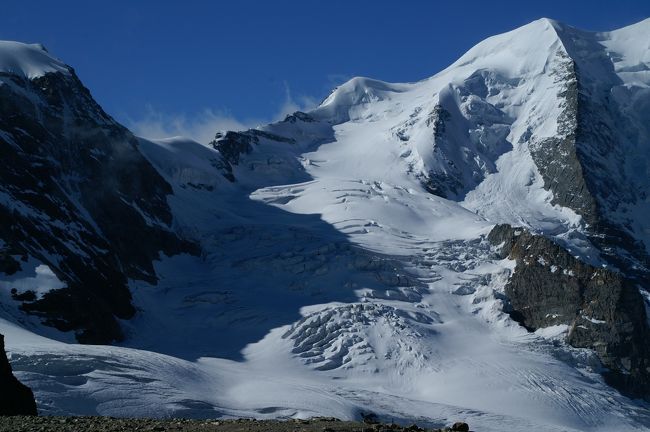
28, 60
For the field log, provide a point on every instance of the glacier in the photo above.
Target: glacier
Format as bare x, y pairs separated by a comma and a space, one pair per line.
344, 266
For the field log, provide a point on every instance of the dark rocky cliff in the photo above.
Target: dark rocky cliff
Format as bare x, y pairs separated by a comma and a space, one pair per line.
78, 196
233, 145
15, 398
603, 309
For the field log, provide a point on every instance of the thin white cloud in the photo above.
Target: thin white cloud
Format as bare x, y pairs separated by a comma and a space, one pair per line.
336, 79
291, 105
202, 126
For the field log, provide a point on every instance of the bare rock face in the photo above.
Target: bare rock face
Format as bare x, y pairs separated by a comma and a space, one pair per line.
233, 145
460, 427
15, 398
603, 309
556, 157
78, 196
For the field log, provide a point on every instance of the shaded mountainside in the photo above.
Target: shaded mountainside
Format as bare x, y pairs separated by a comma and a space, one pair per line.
15, 398
76, 196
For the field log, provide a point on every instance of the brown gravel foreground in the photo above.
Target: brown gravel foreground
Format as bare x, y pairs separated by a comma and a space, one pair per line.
109, 424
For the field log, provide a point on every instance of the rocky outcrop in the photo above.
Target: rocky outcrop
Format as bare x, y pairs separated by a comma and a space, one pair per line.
298, 116
556, 157
77, 195
232, 145
15, 398
603, 309
445, 182
468, 134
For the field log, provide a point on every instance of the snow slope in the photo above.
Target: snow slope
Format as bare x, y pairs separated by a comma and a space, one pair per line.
28, 60
333, 282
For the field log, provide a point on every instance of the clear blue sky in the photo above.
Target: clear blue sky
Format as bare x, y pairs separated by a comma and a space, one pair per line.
181, 64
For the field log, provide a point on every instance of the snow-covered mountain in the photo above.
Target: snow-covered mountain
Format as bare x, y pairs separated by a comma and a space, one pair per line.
473, 245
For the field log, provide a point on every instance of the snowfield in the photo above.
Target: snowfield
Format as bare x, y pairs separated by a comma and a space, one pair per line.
28, 60
332, 282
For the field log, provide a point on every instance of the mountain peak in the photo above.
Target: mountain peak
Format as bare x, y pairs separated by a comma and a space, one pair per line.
28, 60
546, 21
356, 91
519, 51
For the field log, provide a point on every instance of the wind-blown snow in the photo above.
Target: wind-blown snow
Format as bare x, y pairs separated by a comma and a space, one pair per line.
332, 282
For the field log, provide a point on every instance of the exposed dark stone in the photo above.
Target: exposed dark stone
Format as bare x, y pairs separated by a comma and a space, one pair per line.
8, 265
447, 183
460, 427
15, 398
461, 157
370, 418
270, 136
80, 198
436, 120
112, 424
27, 296
298, 116
603, 309
232, 145
556, 157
